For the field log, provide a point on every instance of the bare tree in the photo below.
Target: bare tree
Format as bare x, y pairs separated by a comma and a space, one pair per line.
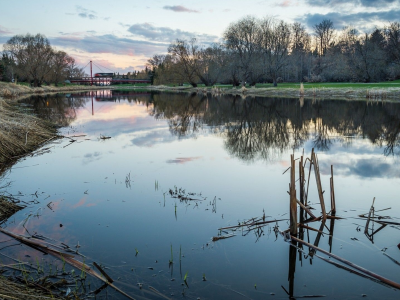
183, 53
392, 33
59, 67
74, 71
165, 70
324, 32
210, 63
276, 43
244, 38
300, 50
32, 55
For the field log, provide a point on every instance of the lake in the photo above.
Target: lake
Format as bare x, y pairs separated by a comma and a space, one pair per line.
143, 181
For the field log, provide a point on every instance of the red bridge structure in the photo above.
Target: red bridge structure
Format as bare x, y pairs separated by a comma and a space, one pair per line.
102, 79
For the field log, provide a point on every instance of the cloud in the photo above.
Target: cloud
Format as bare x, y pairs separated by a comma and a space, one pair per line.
362, 20
4, 30
285, 3
166, 34
109, 43
363, 3
84, 13
4, 39
180, 8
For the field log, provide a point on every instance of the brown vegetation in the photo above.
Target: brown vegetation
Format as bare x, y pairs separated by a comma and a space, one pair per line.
11, 90
21, 133
12, 290
320, 93
7, 208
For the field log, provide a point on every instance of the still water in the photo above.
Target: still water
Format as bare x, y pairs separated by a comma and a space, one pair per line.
111, 196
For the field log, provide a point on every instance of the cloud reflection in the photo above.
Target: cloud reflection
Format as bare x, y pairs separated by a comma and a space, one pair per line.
363, 167
183, 160
91, 157
152, 138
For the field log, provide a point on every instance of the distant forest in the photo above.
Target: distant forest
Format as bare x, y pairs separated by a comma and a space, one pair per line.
268, 50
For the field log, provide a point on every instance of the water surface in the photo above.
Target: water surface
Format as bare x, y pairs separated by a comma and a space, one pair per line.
111, 196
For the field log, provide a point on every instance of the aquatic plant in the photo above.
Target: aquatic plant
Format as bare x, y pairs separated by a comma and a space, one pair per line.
171, 261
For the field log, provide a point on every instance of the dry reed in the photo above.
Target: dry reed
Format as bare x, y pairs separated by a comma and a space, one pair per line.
7, 208
301, 89
21, 133
12, 90
13, 290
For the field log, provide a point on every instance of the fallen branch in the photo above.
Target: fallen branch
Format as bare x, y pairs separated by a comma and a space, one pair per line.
63, 256
252, 224
365, 271
222, 237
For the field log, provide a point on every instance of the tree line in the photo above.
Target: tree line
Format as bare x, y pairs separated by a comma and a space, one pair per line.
31, 58
269, 50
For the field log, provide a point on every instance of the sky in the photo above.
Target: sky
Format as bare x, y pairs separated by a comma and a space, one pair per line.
120, 36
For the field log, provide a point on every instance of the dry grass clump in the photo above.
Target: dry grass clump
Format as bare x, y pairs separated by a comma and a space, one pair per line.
12, 90
13, 290
7, 208
20, 132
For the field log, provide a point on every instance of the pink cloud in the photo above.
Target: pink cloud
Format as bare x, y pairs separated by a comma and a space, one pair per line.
285, 3
4, 30
183, 160
80, 203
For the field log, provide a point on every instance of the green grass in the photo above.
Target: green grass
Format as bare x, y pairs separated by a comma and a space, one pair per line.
341, 85
129, 84
23, 83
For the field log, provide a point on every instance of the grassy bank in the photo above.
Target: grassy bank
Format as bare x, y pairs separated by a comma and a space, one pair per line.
351, 91
11, 90
12, 290
20, 133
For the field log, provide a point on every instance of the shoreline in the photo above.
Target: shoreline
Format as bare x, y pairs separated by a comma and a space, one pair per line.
16, 144
14, 91
390, 93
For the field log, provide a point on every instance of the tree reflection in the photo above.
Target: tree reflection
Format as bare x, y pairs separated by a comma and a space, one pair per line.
58, 109
263, 128
252, 127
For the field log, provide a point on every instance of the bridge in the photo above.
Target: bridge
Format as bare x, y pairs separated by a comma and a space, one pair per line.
101, 79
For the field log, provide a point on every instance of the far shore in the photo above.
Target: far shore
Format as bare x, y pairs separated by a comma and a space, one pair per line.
339, 93
15, 138
320, 91
18, 91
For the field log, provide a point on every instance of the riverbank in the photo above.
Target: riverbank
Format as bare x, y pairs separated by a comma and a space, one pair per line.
12, 91
13, 290
20, 133
346, 93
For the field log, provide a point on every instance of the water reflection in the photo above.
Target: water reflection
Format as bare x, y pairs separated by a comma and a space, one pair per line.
113, 212
253, 128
